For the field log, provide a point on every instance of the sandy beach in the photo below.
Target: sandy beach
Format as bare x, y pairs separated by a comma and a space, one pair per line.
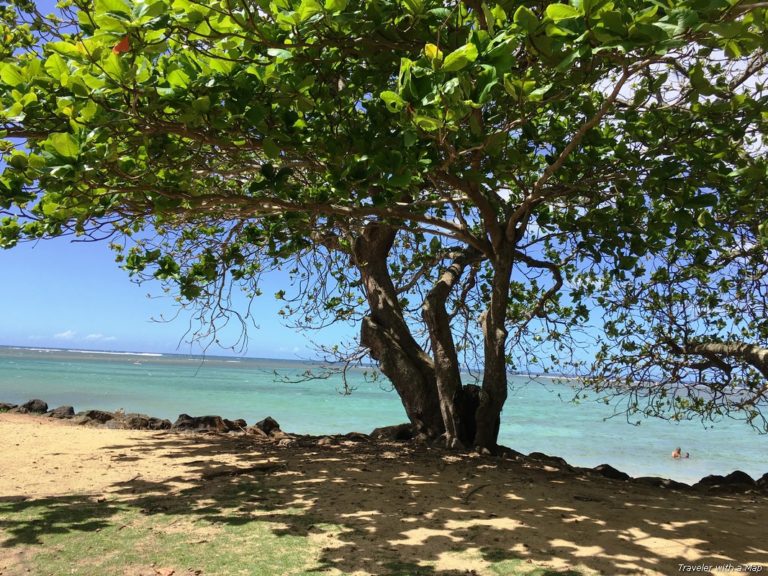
395, 503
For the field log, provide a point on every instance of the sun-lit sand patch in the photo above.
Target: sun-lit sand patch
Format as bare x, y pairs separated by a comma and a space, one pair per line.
511, 496
576, 518
419, 537
496, 523
672, 526
467, 562
362, 514
520, 549
683, 548
577, 550
299, 501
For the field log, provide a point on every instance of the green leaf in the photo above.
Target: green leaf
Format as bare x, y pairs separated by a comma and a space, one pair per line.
571, 57
613, 21
701, 201
557, 12
427, 123
56, 66
271, 149
148, 10
538, 94
64, 144
19, 161
526, 19
11, 74
522, 88
37, 162
202, 104
699, 81
178, 79
393, 101
113, 66
308, 8
66, 49
48, 207
414, 6
650, 31
433, 53
705, 219
108, 23
116, 6
400, 180
280, 53
335, 5
460, 58
627, 262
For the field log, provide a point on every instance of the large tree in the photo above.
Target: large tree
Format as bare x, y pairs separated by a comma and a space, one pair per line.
466, 179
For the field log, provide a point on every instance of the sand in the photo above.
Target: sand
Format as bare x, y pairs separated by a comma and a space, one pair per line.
407, 503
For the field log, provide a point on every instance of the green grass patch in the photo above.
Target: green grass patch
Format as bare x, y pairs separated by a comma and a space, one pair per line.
88, 538
240, 529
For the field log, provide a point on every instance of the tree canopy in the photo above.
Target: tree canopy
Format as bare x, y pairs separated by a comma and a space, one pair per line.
479, 182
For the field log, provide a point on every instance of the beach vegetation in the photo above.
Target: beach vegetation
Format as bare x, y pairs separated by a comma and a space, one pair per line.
488, 186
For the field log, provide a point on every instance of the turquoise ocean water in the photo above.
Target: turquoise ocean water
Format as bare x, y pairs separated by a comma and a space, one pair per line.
534, 419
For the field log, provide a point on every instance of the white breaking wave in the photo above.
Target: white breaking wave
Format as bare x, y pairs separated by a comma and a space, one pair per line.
153, 354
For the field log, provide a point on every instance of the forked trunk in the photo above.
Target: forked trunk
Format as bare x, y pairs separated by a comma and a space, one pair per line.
387, 335
459, 422
494, 391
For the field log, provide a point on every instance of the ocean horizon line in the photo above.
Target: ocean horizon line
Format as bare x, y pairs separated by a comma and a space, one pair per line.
202, 356
235, 359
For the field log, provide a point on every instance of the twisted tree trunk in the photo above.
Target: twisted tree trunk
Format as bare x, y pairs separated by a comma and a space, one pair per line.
459, 424
387, 335
494, 389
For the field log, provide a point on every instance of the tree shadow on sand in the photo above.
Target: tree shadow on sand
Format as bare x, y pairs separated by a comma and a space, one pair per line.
405, 510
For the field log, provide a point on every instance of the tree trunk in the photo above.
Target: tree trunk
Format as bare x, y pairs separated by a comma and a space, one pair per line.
387, 335
494, 390
459, 424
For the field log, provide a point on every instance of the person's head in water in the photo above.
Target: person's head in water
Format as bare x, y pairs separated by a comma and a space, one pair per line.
677, 453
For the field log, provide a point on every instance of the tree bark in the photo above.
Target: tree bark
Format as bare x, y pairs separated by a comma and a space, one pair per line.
387, 335
494, 389
754, 355
446, 361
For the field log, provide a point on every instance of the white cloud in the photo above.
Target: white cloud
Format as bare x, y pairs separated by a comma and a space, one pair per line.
66, 335
100, 338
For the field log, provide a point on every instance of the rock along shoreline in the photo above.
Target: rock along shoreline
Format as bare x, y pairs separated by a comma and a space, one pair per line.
269, 429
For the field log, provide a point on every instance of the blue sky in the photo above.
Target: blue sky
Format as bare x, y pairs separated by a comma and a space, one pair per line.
56, 293
63, 294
